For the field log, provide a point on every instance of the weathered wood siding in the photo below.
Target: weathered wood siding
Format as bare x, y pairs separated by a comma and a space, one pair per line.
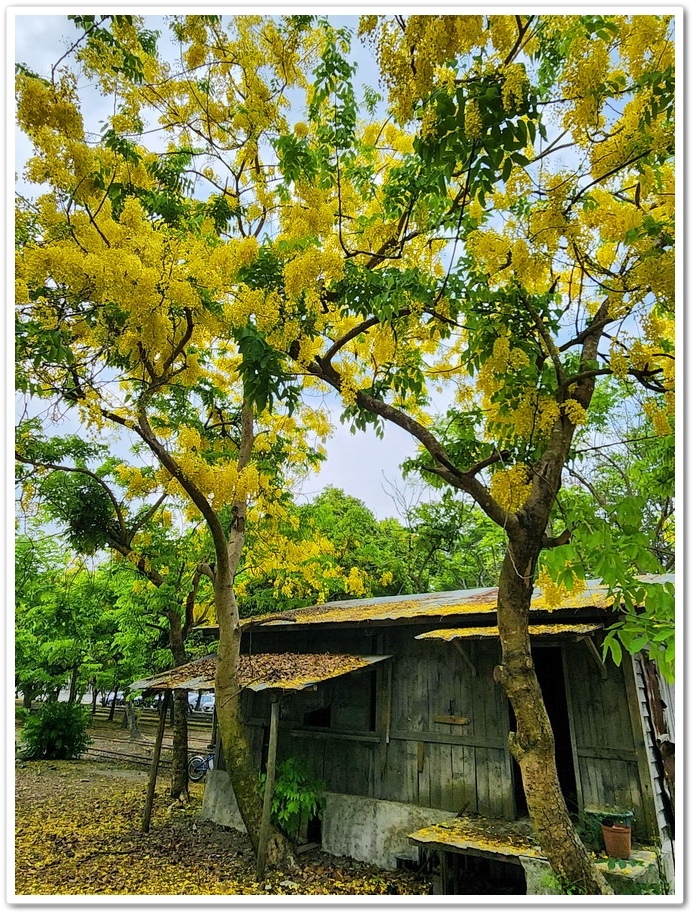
385, 740
659, 789
610, 755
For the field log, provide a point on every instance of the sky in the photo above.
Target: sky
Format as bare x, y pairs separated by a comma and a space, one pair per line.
361, 464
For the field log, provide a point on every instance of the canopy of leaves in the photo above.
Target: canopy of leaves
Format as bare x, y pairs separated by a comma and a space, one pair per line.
502, 227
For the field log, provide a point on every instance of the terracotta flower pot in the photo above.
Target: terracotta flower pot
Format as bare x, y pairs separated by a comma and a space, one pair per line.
617, 841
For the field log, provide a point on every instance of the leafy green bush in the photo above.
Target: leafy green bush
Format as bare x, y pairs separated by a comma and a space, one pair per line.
58, 731
297, 798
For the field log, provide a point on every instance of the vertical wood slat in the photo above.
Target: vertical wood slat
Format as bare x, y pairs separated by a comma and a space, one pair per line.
155, 761
384, 726
571, 728
647, 806
265, 828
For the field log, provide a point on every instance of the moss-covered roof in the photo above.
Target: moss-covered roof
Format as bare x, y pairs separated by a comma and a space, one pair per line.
543, 629
485, 835
285, 671
409, 607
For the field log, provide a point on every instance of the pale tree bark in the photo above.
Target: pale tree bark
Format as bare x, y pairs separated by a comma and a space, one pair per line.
228, 549
233, 734
132, 721
532, 744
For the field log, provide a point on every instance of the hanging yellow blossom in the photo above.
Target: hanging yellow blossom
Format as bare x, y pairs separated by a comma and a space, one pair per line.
510, 487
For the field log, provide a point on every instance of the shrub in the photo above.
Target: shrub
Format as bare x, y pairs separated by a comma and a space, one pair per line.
58, 731
297, 797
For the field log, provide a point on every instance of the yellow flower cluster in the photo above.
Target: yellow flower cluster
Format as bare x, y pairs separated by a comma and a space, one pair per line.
554, 595
575, 412
515, 85
473, 123
659, 417
355, 582
349, 392
510, 487
136, 483
41, 105
384, 345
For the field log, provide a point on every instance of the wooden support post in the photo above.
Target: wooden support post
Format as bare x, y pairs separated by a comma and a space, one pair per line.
596, 657
155, 761
465, 655
213, 733
265, 829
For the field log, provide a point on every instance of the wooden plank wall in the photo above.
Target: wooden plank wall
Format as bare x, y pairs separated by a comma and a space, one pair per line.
605, 743
410, 756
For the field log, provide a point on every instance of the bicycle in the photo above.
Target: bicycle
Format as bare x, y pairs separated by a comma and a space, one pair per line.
199, 765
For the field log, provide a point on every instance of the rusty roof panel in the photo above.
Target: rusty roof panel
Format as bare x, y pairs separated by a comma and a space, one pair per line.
404, 607
434, 605
481, 834
545, 629
285, 671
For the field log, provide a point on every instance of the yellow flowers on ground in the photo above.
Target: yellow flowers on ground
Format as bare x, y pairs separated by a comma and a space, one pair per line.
78, 833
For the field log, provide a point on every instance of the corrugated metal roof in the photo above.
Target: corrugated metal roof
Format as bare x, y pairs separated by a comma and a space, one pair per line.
438, 604
481, 834
285, 671
543, 629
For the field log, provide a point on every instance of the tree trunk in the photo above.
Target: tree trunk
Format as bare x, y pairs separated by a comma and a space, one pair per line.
27, 694
132, 716
72, 695
112, 711
233, 734
95, 693
179, 786
532, 744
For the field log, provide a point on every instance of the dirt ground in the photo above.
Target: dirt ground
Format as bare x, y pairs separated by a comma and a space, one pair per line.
78, 831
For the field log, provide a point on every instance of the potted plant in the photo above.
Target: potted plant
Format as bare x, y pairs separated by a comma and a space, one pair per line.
616, 832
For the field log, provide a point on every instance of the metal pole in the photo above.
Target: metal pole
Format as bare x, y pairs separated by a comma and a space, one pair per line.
155, 762
265, 829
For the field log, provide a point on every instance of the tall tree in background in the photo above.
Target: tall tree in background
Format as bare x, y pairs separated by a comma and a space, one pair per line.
505, 230
114, 506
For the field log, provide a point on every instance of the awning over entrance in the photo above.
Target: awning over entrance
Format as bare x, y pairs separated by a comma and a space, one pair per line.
283, 671
579, 630
482, 836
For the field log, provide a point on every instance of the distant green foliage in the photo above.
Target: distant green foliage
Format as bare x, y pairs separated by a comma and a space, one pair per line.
58, 731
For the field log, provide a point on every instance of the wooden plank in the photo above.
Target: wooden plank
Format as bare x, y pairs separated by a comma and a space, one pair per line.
482, 781
608, 753
451, 720
265, 827
384, 706
458, 795
435, 738
571, 727
649, 825
499, 785
359, 737
164, 706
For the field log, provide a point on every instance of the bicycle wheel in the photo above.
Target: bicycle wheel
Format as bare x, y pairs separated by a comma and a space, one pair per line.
197, 768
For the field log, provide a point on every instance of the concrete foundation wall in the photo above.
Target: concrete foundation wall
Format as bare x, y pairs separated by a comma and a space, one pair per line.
372, 830
219, 803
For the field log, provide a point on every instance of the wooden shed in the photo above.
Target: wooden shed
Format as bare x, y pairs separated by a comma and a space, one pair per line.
418, 733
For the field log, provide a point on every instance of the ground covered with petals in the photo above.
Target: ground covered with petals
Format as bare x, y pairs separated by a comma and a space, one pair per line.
78, 831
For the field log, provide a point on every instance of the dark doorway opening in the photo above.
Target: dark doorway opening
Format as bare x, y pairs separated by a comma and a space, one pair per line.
476, 875
548, 662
